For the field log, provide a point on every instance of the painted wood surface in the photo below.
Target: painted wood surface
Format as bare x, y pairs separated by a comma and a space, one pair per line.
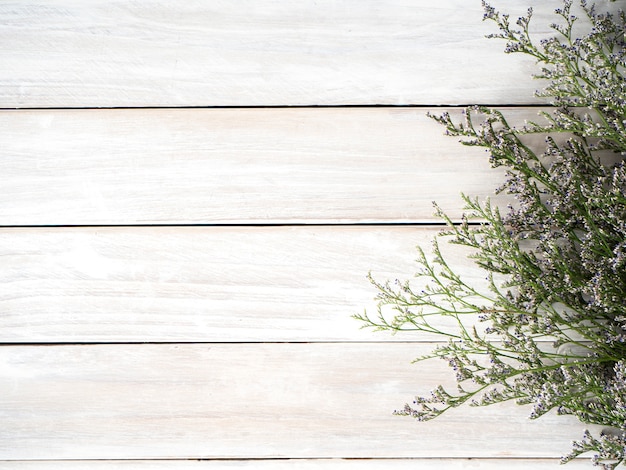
241, 166
204, 283
319, 400
230, 345
101, 53
301, 464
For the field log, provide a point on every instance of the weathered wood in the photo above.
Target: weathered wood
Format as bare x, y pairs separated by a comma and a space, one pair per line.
271, 52
246, 166
247, 401
203, 283
301, 464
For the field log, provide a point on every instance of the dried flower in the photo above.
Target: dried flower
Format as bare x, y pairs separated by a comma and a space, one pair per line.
553, 333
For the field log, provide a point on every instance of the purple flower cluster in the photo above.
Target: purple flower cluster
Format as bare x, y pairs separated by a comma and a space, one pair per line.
553, 333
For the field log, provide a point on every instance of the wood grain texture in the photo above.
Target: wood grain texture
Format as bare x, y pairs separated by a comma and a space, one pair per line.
325, 165
247, 401
65, 53
264, 366
302, 464
203, 283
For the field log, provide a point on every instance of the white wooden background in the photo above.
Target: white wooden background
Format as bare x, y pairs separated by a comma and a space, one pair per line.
190, 203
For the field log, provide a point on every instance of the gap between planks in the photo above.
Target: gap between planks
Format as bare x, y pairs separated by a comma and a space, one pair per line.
433, 224
308, 106
299, 464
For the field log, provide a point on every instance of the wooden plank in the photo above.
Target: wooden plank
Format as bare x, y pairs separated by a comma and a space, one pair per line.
271, 52
324, 165
317, 400
203, 283
301, 464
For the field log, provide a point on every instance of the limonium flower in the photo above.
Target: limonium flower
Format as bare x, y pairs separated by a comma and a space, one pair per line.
550, 330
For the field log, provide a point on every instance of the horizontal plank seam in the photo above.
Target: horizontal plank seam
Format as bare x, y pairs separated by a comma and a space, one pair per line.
190, 343
260, 459
221, 343
253, 225
295, 106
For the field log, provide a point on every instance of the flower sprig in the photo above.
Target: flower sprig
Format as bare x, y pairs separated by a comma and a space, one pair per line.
549, 327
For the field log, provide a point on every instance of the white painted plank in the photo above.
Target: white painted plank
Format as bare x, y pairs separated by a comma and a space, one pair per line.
101, 53
203, 283
103, 167
247, 401
301, 464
